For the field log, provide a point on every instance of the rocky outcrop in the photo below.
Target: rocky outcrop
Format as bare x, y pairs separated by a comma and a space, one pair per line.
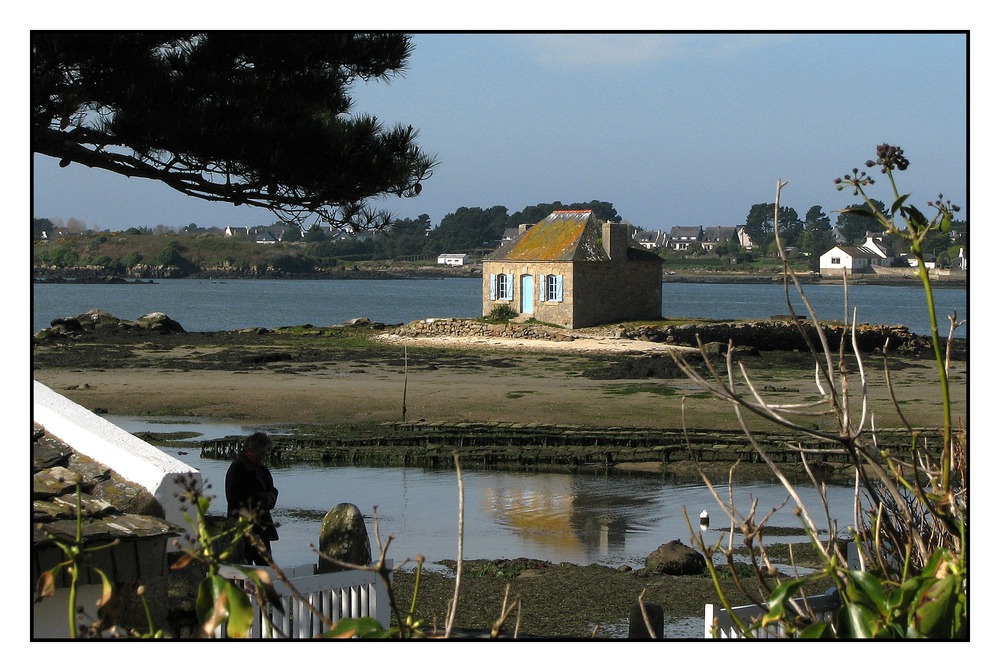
96, 320
675, 558
779, 334
160, 323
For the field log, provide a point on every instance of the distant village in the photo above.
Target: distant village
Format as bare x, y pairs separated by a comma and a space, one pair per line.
873, 256
864, 258
870, 256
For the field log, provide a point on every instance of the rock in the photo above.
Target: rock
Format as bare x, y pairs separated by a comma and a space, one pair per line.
715, 349
675, 558
637, 628
343, 536
159, 322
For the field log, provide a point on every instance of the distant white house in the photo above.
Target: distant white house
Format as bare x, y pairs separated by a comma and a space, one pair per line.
651, 240
744, 238
347, 235
237, 231
854, 259
453, 259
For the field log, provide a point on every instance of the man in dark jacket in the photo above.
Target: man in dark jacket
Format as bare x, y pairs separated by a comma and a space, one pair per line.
250, 491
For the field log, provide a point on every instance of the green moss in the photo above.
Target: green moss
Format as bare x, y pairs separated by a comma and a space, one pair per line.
549, 241
518, 394
621, 390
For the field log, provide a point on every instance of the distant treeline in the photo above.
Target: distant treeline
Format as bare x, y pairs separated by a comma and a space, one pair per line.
280, 248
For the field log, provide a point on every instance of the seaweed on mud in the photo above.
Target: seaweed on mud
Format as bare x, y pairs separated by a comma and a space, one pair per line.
636, 367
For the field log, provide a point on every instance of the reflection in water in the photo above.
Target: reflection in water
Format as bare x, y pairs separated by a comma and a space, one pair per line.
587, 517
535, 514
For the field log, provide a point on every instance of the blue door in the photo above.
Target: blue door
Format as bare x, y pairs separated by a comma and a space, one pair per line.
527, 294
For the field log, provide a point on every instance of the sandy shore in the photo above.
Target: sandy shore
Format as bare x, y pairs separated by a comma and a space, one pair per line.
593, 342
591, 379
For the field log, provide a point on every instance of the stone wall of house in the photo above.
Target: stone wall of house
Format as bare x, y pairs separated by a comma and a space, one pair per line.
553, 312
614, 292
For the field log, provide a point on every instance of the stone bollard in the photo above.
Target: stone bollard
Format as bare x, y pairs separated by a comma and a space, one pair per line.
343, 536
637, 625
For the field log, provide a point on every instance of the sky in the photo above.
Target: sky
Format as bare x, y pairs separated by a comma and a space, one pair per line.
671, 128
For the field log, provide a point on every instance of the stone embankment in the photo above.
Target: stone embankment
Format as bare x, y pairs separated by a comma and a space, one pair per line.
466, 328
774, 334
783, 334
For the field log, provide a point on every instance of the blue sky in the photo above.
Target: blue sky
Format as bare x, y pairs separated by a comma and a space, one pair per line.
673, 129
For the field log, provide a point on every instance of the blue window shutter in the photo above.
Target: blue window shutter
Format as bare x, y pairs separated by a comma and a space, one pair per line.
559, 293
510, 287
493, 286
542, 279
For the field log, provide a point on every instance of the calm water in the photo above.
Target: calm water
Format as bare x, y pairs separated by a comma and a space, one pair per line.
582, 519
206, 305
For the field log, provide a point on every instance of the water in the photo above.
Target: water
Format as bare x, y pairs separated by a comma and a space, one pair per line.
612, 520
206, 305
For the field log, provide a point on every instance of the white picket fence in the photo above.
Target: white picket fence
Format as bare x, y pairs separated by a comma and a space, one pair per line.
350, 593
716, 617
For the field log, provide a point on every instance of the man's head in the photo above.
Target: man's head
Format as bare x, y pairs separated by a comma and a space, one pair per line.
257, 445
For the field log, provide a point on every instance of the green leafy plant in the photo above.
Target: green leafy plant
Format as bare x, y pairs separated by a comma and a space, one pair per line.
77, 560
911, 515
501, 313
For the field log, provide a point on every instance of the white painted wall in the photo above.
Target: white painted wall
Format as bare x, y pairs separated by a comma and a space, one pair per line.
134, 459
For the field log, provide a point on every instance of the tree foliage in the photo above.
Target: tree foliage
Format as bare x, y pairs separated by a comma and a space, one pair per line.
854, 225
536, 213
760, 224
471, 228
257, 118
406, 238
817, 235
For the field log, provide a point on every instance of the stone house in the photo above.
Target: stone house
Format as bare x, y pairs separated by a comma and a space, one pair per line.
574, 270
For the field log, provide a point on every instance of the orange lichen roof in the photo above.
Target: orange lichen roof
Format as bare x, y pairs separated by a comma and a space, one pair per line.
555, 238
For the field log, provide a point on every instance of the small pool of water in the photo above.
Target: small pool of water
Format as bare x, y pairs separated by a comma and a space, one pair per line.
612, 520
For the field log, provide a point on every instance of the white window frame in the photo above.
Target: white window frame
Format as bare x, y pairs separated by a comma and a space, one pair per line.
501, 286
551, 288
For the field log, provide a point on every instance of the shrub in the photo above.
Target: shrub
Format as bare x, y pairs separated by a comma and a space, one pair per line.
502, 313
911, 515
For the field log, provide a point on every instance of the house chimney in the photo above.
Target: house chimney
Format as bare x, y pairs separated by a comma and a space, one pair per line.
615, 239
